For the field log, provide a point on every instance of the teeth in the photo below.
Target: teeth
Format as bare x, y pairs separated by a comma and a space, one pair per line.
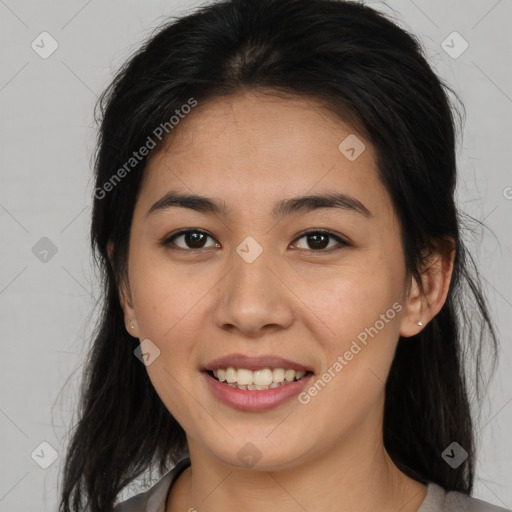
230, 375
265, 378
244, 377
289, 375
252, 387
262, 377
278, 375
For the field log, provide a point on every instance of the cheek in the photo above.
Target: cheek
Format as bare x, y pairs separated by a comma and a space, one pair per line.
165, 297
358, 316
357, 353
355, 296
167, 305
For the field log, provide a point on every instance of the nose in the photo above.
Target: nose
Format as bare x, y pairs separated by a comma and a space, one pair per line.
254, 298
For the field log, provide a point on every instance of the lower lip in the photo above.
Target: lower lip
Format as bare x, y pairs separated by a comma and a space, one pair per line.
255, 400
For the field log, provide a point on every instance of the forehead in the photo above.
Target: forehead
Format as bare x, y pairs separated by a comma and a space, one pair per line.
262, 123
253, 147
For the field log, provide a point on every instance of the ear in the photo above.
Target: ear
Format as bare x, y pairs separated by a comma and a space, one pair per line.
125, 298
436, 273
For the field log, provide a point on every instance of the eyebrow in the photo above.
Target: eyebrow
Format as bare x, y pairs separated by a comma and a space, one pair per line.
281, 209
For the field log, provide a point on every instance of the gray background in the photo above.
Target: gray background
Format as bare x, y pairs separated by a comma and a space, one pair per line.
47, 139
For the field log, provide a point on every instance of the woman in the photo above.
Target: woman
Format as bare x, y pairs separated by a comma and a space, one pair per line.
286, 289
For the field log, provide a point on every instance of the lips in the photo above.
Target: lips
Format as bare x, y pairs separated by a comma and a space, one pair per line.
278, 386
254, 363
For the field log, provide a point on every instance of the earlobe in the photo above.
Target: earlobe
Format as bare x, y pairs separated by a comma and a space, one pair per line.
425, 301
129, 312
413, 311
133, 331
125, 300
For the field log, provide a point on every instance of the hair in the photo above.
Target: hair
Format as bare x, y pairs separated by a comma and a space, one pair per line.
374, 76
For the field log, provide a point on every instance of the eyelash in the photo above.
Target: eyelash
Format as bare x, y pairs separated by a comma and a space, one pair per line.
168, 241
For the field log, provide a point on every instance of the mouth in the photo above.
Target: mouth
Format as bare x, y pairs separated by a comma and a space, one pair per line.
257, 380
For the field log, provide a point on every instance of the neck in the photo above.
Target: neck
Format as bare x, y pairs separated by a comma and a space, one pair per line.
353, 475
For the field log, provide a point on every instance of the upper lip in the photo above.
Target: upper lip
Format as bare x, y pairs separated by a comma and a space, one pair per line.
254, 363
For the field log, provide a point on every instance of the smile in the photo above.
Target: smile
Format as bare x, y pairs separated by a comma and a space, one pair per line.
259, 380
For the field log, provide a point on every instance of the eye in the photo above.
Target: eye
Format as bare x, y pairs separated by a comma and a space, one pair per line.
318, 240
192, 238
195, 239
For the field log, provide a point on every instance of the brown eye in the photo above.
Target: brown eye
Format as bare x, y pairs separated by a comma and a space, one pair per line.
192, 238
319, 240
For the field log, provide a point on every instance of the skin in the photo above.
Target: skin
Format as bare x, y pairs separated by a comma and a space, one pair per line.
251, 150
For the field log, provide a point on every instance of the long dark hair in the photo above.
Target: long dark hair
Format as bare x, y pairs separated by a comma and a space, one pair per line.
374, 76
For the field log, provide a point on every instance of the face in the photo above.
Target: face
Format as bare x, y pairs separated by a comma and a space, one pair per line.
321, 285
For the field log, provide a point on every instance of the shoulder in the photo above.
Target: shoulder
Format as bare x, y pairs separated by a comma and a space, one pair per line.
153, 500
438, 500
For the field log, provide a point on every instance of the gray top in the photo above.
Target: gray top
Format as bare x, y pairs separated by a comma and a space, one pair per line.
436, 499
